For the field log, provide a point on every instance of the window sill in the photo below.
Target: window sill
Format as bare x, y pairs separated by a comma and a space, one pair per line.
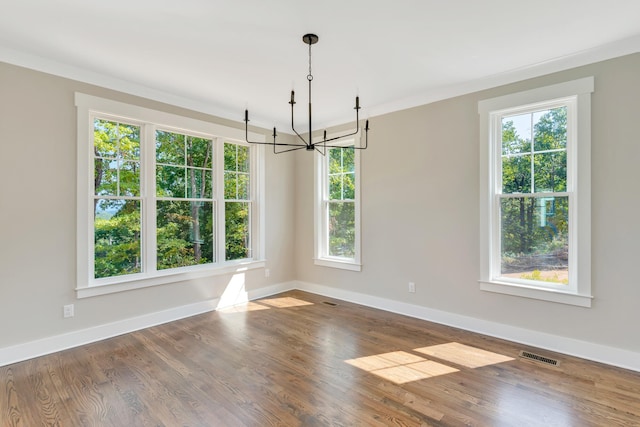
551, 295
128, 283
338, 263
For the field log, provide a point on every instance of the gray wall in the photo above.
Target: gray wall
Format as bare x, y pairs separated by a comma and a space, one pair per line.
38, 210
420, 213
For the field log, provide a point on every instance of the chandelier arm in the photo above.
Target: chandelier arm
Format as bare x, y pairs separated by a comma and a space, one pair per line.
274, 143
342, 136
279, 144
297, 147
323, 152
366, 138
357, 126
296, 132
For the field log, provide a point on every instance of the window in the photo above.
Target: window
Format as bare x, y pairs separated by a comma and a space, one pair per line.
162, 198
535, 201
338, 207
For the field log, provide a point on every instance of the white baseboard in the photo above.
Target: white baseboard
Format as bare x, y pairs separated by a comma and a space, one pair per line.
583, 349
41, 347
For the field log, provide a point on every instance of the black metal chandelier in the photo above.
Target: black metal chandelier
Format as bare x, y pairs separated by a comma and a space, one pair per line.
308, 143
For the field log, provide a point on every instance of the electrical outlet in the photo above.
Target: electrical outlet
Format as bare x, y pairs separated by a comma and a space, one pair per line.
68, 310
267, 272
412, 287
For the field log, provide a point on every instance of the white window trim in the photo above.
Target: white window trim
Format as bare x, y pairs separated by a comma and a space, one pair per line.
86, 285
580, 218
320, 223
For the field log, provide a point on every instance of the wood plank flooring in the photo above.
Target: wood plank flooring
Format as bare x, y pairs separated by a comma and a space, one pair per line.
293, 360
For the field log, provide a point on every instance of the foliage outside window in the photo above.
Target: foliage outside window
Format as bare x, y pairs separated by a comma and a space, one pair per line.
117, 203
156, 204
534, 202
184, 200
341, 202
535, 148
237, 199
337, 211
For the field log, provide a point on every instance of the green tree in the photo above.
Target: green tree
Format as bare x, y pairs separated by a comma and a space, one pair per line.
341, 201
534, 225
117, 243
184, 226
237, 196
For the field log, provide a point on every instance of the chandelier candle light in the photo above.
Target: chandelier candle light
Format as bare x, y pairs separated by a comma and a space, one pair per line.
308, 143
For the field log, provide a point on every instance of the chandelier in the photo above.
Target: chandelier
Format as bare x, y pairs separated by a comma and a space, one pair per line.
308, 143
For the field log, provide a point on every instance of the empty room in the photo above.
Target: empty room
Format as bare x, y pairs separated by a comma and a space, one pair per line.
286, 213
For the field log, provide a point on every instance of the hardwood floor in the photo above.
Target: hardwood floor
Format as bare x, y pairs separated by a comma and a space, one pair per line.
293, 360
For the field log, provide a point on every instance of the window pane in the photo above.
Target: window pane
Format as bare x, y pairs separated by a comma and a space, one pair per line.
129, 178
170, 148
341, 160
348, 160
349, 187
243, 186
117, 238
112, 139
230, 157
170, 181
237, 226
550, 129
342, 231
335, 187
516, 134
199, 152
243, 158
534, 239
106, 177
129, 142
184, 233
550, 172
335, 160
516, 174
199, 183
230, 185
105, 138
341, 165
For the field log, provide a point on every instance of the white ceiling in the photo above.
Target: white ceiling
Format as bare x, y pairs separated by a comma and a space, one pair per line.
221, 57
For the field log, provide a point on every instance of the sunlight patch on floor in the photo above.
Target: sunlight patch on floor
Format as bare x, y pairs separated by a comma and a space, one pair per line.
284, 302
464, 355
400, 367
265, 304
243, 308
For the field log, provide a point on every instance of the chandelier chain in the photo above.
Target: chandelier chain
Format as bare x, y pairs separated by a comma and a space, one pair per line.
310, 76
